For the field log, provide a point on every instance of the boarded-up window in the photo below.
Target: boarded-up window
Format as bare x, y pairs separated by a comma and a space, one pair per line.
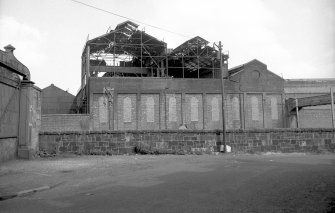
254, 108
236, 109
126, 109
172, 109
274, 108
215, 109
103, 109
194, 109
150, 106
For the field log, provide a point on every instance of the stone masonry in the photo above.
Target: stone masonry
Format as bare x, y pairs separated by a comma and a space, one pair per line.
241, 141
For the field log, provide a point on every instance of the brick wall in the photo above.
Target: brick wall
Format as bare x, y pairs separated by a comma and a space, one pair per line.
173, 111
199, 111
66, 122
203, 95
193, 111
100, 112
254, 111
213, 112
149, 112
247, 141
316, 118
126, 111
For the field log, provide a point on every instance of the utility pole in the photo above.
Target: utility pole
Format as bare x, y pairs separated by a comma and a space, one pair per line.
332, 106
223, 96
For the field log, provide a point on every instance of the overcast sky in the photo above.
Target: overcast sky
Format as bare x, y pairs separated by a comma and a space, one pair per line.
295, 38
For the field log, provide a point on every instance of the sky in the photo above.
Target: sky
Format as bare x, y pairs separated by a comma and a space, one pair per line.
294, 38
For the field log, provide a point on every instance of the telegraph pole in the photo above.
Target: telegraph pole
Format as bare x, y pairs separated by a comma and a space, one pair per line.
223, 96
332, 107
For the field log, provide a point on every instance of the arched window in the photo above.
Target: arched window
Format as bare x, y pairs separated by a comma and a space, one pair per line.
103, 117
236, 109
254, 108
215, 109
274, 108
150, 109
172, 109
126, 109
194, 109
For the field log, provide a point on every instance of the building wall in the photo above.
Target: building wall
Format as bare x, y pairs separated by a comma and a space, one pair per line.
315, 116
172, 102
246, 141
173, 110
57, 101
197, 111
58, 122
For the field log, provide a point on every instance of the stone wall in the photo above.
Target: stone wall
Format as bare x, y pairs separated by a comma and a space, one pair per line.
66, 122
187, 141
35, 117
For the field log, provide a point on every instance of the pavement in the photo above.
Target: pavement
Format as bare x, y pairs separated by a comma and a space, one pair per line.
269, 182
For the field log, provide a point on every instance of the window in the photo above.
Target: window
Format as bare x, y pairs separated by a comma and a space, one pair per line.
254, 108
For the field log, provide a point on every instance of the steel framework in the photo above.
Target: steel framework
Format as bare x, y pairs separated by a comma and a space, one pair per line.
127, 51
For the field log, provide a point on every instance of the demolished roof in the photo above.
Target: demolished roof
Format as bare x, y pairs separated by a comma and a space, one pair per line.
126, 39
131, 52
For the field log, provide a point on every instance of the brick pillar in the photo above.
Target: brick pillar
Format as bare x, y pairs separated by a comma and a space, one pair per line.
25, 151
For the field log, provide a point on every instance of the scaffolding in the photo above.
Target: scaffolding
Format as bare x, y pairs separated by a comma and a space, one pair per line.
127, 51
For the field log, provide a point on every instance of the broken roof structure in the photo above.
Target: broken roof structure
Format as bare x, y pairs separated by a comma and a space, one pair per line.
130, 52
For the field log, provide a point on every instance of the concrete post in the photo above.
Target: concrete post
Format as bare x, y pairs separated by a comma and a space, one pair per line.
25, 151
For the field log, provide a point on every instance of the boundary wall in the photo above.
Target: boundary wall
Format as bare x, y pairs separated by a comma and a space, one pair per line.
189, 141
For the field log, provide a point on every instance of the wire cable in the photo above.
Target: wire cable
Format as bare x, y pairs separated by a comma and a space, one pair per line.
125, 17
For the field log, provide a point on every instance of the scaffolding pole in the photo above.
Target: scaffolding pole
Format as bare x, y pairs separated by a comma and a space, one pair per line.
332, 106
141, 53
297, 111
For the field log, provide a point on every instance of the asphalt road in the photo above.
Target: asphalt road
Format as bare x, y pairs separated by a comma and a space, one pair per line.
205, 183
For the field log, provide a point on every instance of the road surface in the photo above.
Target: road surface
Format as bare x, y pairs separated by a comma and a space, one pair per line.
170, 183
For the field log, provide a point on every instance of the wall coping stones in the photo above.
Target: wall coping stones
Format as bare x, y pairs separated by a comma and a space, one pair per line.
186, 131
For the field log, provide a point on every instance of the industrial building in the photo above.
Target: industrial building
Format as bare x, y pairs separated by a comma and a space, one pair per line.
132, 81
136, 90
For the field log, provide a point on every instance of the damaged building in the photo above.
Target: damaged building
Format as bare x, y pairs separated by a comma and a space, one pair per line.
130, 80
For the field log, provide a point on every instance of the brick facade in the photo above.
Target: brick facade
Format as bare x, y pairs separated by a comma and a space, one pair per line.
173, 115
72, 122
194, 102
199, 111
244, 141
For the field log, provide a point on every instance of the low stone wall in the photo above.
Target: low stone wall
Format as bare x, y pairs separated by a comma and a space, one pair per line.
65, 122
187, 141
283, 140
8, 148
